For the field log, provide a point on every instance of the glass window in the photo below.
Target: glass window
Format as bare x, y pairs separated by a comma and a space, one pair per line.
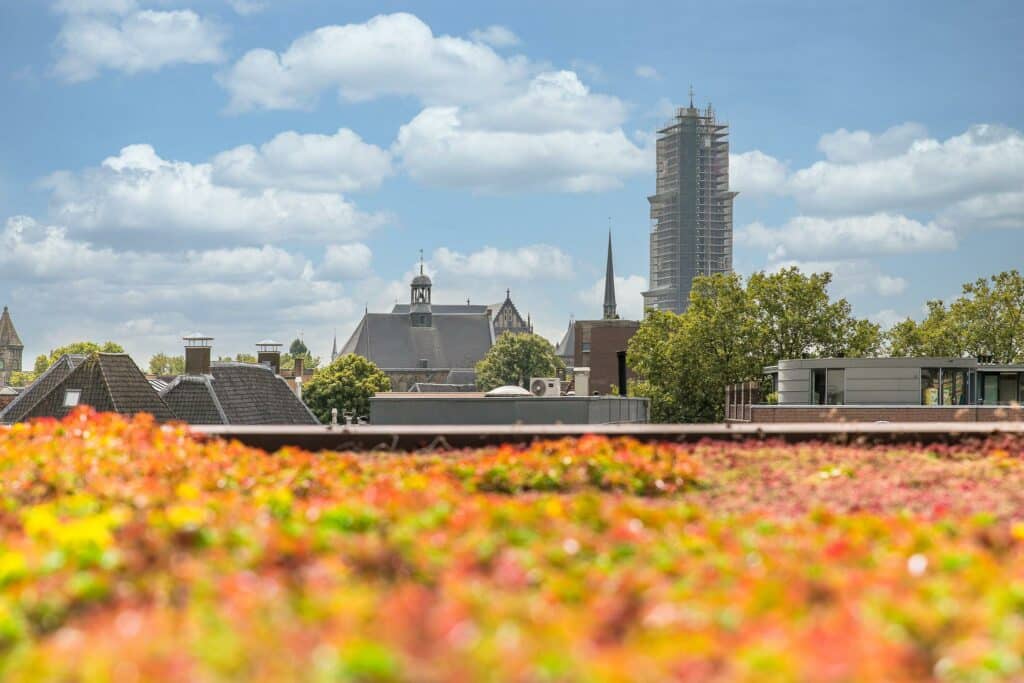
586, 347
990, 389
836, 385
71, 397
954, 387
1007, 387
929, 386
818, 387
1, 363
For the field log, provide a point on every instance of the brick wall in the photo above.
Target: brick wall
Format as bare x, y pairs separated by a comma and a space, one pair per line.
766, 414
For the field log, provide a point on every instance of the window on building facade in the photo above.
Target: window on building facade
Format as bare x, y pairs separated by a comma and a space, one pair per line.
1, 364
929, 386
818, 393
954, 387
1008, 387
990, 389
71, 397
835, 387
586, 347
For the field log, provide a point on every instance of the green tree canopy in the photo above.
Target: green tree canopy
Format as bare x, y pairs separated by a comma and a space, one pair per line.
162, 364
346, 384
514, 359
298, 347
84, 348
730, 331
987, 319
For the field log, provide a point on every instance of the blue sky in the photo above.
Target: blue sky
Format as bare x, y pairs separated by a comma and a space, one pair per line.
254, 169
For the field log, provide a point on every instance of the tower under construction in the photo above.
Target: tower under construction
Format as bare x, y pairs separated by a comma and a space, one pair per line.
691, 210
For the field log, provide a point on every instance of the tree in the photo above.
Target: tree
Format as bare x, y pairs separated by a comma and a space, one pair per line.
937, 335
729, 332
84, 348
21, 378
346, 384
514, 359
311, 362
298, 347
162, 364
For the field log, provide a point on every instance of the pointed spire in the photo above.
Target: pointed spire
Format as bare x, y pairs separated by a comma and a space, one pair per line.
691, 96
421, 262
609, 285
8, 335
334, 348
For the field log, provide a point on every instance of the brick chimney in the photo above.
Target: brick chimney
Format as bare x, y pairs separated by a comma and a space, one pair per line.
268, 352
197, 354
300, 366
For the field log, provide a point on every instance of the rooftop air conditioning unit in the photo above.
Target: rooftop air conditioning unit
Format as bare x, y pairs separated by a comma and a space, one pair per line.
545, 386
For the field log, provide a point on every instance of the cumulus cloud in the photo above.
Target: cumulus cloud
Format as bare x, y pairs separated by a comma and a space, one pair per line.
346, 261
850, 276
647, 71
247, 7
117, 35
394, 54
845, 146
629, 300
137, 197
816, 237
930, 175
436, 148
238, 294
495, 36
538, 261
307, 163
756, 173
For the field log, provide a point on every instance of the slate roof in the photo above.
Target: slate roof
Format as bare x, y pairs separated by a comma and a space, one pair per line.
35, 392
450, 309
452, 341
237, 394
109, 382
567, 347
8, 335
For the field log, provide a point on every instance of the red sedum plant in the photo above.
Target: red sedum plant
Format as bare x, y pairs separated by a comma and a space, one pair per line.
136, 552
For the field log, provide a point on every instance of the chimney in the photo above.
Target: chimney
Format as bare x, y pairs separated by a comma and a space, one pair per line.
268, 352
197, 354
300, 363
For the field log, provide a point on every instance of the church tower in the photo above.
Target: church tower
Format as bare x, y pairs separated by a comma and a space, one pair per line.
609, 285
11, 348
419, 299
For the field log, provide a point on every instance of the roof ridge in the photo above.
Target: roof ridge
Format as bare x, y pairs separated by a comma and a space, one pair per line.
208, 381
106, 383
25, 392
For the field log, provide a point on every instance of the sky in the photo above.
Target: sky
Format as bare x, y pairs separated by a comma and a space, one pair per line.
268, 168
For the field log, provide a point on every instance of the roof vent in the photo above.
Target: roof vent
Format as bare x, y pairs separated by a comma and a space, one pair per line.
508, 390
268, 352
197, 353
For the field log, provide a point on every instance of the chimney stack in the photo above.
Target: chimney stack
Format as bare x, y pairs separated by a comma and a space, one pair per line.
197, 354
300, 366
268, 352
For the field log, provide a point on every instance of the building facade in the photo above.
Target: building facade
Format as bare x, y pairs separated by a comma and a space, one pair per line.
691, 209
11, 348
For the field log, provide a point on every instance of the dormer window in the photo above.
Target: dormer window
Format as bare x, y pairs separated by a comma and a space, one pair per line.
71, 397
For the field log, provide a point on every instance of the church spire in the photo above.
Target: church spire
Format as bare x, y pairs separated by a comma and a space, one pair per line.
334, 349
609, 285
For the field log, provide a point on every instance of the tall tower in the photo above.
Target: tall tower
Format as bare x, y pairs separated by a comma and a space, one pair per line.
609, 285
11, 348
691, 209
419, 298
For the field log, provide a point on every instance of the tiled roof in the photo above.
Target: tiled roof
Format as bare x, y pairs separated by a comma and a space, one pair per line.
452, 340
109, 382
20, 407
238, 394
567, 347
8, 335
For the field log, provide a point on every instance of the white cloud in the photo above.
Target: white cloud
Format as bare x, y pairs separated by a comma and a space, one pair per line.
845, 146
139, 198
307, 163
815, 237
998, 210
394, 54
551, 101
886, 318
756, 173
247, 7
109, 34
930, 175
647, 71
629, 300
437, 149
850, 276
346, 261
538, 261
495, 36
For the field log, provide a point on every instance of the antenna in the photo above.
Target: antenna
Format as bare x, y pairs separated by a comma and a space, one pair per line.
421, 262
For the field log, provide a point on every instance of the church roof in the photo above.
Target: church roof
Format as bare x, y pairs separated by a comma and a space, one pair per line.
454, 340
8, 335
609, 285
567, 347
